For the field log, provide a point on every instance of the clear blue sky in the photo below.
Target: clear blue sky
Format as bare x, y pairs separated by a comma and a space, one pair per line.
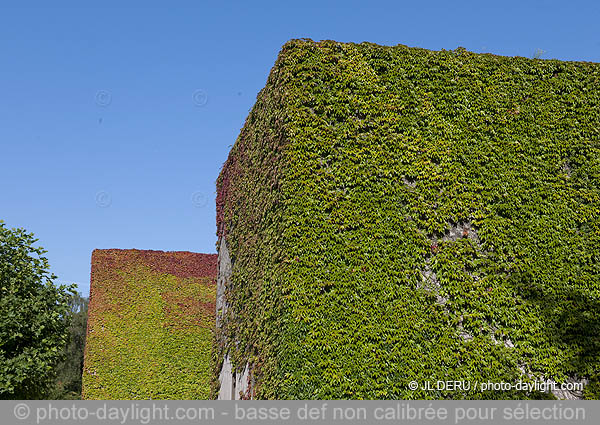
115, 122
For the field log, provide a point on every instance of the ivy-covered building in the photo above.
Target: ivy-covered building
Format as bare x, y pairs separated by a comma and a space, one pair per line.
150, 325
394, 214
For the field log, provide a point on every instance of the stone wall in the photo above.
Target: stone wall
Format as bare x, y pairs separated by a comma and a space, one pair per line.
233, 385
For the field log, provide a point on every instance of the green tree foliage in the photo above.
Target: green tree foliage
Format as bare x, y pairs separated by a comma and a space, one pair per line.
69, 371
33, 317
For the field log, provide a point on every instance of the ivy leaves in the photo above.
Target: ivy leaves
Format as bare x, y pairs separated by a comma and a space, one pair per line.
381, 151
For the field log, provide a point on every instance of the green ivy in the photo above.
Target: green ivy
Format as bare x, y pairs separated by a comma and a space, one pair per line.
340, 196
150, 333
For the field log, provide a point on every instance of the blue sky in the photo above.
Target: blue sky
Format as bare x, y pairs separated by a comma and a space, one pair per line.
115, 121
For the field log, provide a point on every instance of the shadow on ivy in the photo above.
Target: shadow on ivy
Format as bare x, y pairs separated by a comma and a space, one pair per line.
572, 317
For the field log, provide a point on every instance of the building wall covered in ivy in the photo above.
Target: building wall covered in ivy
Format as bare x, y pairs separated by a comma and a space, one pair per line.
150, 326
394, 214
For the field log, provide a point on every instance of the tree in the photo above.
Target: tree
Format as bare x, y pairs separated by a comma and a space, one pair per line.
33, 317
69, 371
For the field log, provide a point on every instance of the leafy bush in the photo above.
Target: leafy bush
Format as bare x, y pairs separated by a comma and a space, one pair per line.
68, 380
